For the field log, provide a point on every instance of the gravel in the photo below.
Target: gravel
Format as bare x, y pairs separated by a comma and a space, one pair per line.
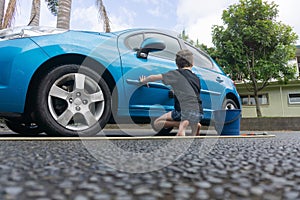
247, 168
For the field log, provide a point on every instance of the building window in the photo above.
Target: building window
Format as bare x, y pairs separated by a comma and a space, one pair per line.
248, 100
294, 98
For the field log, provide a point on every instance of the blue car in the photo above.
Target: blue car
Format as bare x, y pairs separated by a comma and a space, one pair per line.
72, 83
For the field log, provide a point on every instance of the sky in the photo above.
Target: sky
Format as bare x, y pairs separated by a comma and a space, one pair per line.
196, 17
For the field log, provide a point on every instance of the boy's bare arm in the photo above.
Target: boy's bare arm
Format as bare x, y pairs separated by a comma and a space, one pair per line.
151, 78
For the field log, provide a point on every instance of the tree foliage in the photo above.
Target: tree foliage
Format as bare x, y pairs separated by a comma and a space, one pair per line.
253, 46
52, 6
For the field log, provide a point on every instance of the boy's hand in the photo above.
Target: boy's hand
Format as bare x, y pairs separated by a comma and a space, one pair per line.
143, 80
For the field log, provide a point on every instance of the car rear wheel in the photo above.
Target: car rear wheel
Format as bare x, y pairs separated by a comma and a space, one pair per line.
229, 104
73, 100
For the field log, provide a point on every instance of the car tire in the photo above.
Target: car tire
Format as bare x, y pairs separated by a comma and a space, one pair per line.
229, 104
27, 129
73, 100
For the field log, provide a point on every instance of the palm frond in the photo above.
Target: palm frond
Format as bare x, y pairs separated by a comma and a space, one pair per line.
52, 6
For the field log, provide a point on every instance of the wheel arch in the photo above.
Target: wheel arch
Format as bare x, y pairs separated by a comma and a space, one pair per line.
233, 97
62, 60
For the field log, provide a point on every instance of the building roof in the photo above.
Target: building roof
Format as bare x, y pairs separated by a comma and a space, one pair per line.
291, 83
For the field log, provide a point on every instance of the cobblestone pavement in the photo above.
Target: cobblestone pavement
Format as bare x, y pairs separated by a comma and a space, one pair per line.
247, 168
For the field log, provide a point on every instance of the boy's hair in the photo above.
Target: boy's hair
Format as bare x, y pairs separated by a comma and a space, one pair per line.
184, 58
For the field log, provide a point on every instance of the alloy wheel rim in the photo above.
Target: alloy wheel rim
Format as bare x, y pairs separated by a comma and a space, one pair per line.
76, 101
230, 106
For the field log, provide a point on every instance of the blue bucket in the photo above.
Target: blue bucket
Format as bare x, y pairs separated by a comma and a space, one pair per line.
227, 122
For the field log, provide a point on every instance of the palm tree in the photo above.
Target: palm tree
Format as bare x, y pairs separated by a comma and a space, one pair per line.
9, 14
2, 7
52, 6
6, 18
35, 13
64, 14
103, 15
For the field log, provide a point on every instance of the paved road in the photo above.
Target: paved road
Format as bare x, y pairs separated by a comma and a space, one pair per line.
231, 168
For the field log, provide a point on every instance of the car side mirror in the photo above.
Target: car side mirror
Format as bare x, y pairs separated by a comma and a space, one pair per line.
150, 45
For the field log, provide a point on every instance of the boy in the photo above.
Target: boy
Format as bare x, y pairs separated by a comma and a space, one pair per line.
186, 85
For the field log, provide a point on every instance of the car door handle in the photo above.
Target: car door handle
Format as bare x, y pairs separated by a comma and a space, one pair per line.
218, 79
150, 84
134, 82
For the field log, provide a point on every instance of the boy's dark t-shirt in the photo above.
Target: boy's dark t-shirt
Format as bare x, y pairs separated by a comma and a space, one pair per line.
186, 86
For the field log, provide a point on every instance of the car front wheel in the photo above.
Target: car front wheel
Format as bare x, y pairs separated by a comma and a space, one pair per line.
73, 100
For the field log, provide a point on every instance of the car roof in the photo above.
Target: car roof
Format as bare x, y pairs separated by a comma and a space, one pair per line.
28, 31
164, 31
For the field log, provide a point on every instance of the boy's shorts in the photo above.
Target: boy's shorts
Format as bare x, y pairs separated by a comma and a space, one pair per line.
192, 116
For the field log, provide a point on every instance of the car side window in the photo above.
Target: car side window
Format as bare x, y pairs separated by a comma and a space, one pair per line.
200, 60
172, 46
134, 41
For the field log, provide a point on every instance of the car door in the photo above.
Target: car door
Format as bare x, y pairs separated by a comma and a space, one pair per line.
155, 98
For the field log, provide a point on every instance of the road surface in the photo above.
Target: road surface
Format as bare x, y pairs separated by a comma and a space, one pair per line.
185, 168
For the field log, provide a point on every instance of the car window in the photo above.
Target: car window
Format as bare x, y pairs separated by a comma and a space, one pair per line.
200, 59
172, 46
134, 41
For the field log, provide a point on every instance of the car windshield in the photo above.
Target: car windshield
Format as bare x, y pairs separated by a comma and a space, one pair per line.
27, 31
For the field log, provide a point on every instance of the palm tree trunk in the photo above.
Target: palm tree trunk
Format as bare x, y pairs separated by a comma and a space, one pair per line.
103, 15
35, 13
64, 14
9, 14
2, 7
